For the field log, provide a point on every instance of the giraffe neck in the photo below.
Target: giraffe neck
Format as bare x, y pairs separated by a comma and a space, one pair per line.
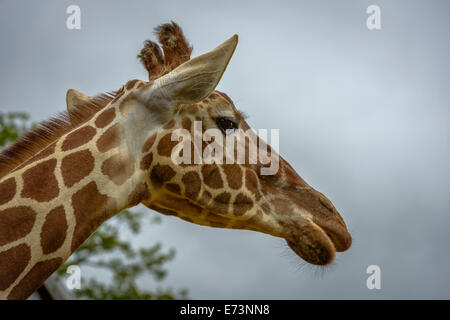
52, 203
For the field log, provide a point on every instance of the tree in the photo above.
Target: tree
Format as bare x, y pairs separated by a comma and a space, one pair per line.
106, 249
12, 126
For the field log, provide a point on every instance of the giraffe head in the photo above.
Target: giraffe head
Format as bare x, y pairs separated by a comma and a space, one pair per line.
180, 95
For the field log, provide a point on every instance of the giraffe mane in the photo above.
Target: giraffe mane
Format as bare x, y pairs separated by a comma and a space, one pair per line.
48, 131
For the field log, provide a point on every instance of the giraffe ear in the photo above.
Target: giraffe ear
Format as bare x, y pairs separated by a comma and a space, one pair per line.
192, 81
73, 98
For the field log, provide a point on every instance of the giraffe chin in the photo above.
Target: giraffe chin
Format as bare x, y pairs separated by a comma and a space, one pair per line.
313, 245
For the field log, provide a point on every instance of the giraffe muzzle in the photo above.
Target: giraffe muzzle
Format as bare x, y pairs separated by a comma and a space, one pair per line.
338, 234
316, 242
319, 234
312, 244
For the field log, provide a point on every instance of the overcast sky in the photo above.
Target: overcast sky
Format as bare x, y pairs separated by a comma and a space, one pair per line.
363, 117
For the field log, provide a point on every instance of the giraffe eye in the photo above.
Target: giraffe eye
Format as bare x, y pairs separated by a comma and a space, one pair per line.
226, 124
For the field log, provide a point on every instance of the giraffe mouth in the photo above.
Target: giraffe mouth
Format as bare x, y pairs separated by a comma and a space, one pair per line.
313, 244
318, 235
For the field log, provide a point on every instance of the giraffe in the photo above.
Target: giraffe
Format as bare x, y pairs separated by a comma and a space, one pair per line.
109, 152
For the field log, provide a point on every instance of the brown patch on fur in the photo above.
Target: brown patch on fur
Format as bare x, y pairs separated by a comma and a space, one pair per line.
76, 166
192, 108
223, 198
165, 145
12, 262
91, 209
54, 230
188, 146
211, 176
242, 204
110, 138
119, 168
192, 184
161, 174
7, 190
15, 223
233, 173
47, 132
105, 118
251, 182
169, 125
78, 138
34, 279
214, 95
186, 123
139, 193
173, 187
39, 182
149, 143
147, 161
221, 203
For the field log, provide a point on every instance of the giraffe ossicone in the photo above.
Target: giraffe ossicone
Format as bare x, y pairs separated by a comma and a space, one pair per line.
70, 174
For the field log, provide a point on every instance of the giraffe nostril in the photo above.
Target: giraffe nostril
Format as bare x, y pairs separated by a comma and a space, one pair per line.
326, 204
